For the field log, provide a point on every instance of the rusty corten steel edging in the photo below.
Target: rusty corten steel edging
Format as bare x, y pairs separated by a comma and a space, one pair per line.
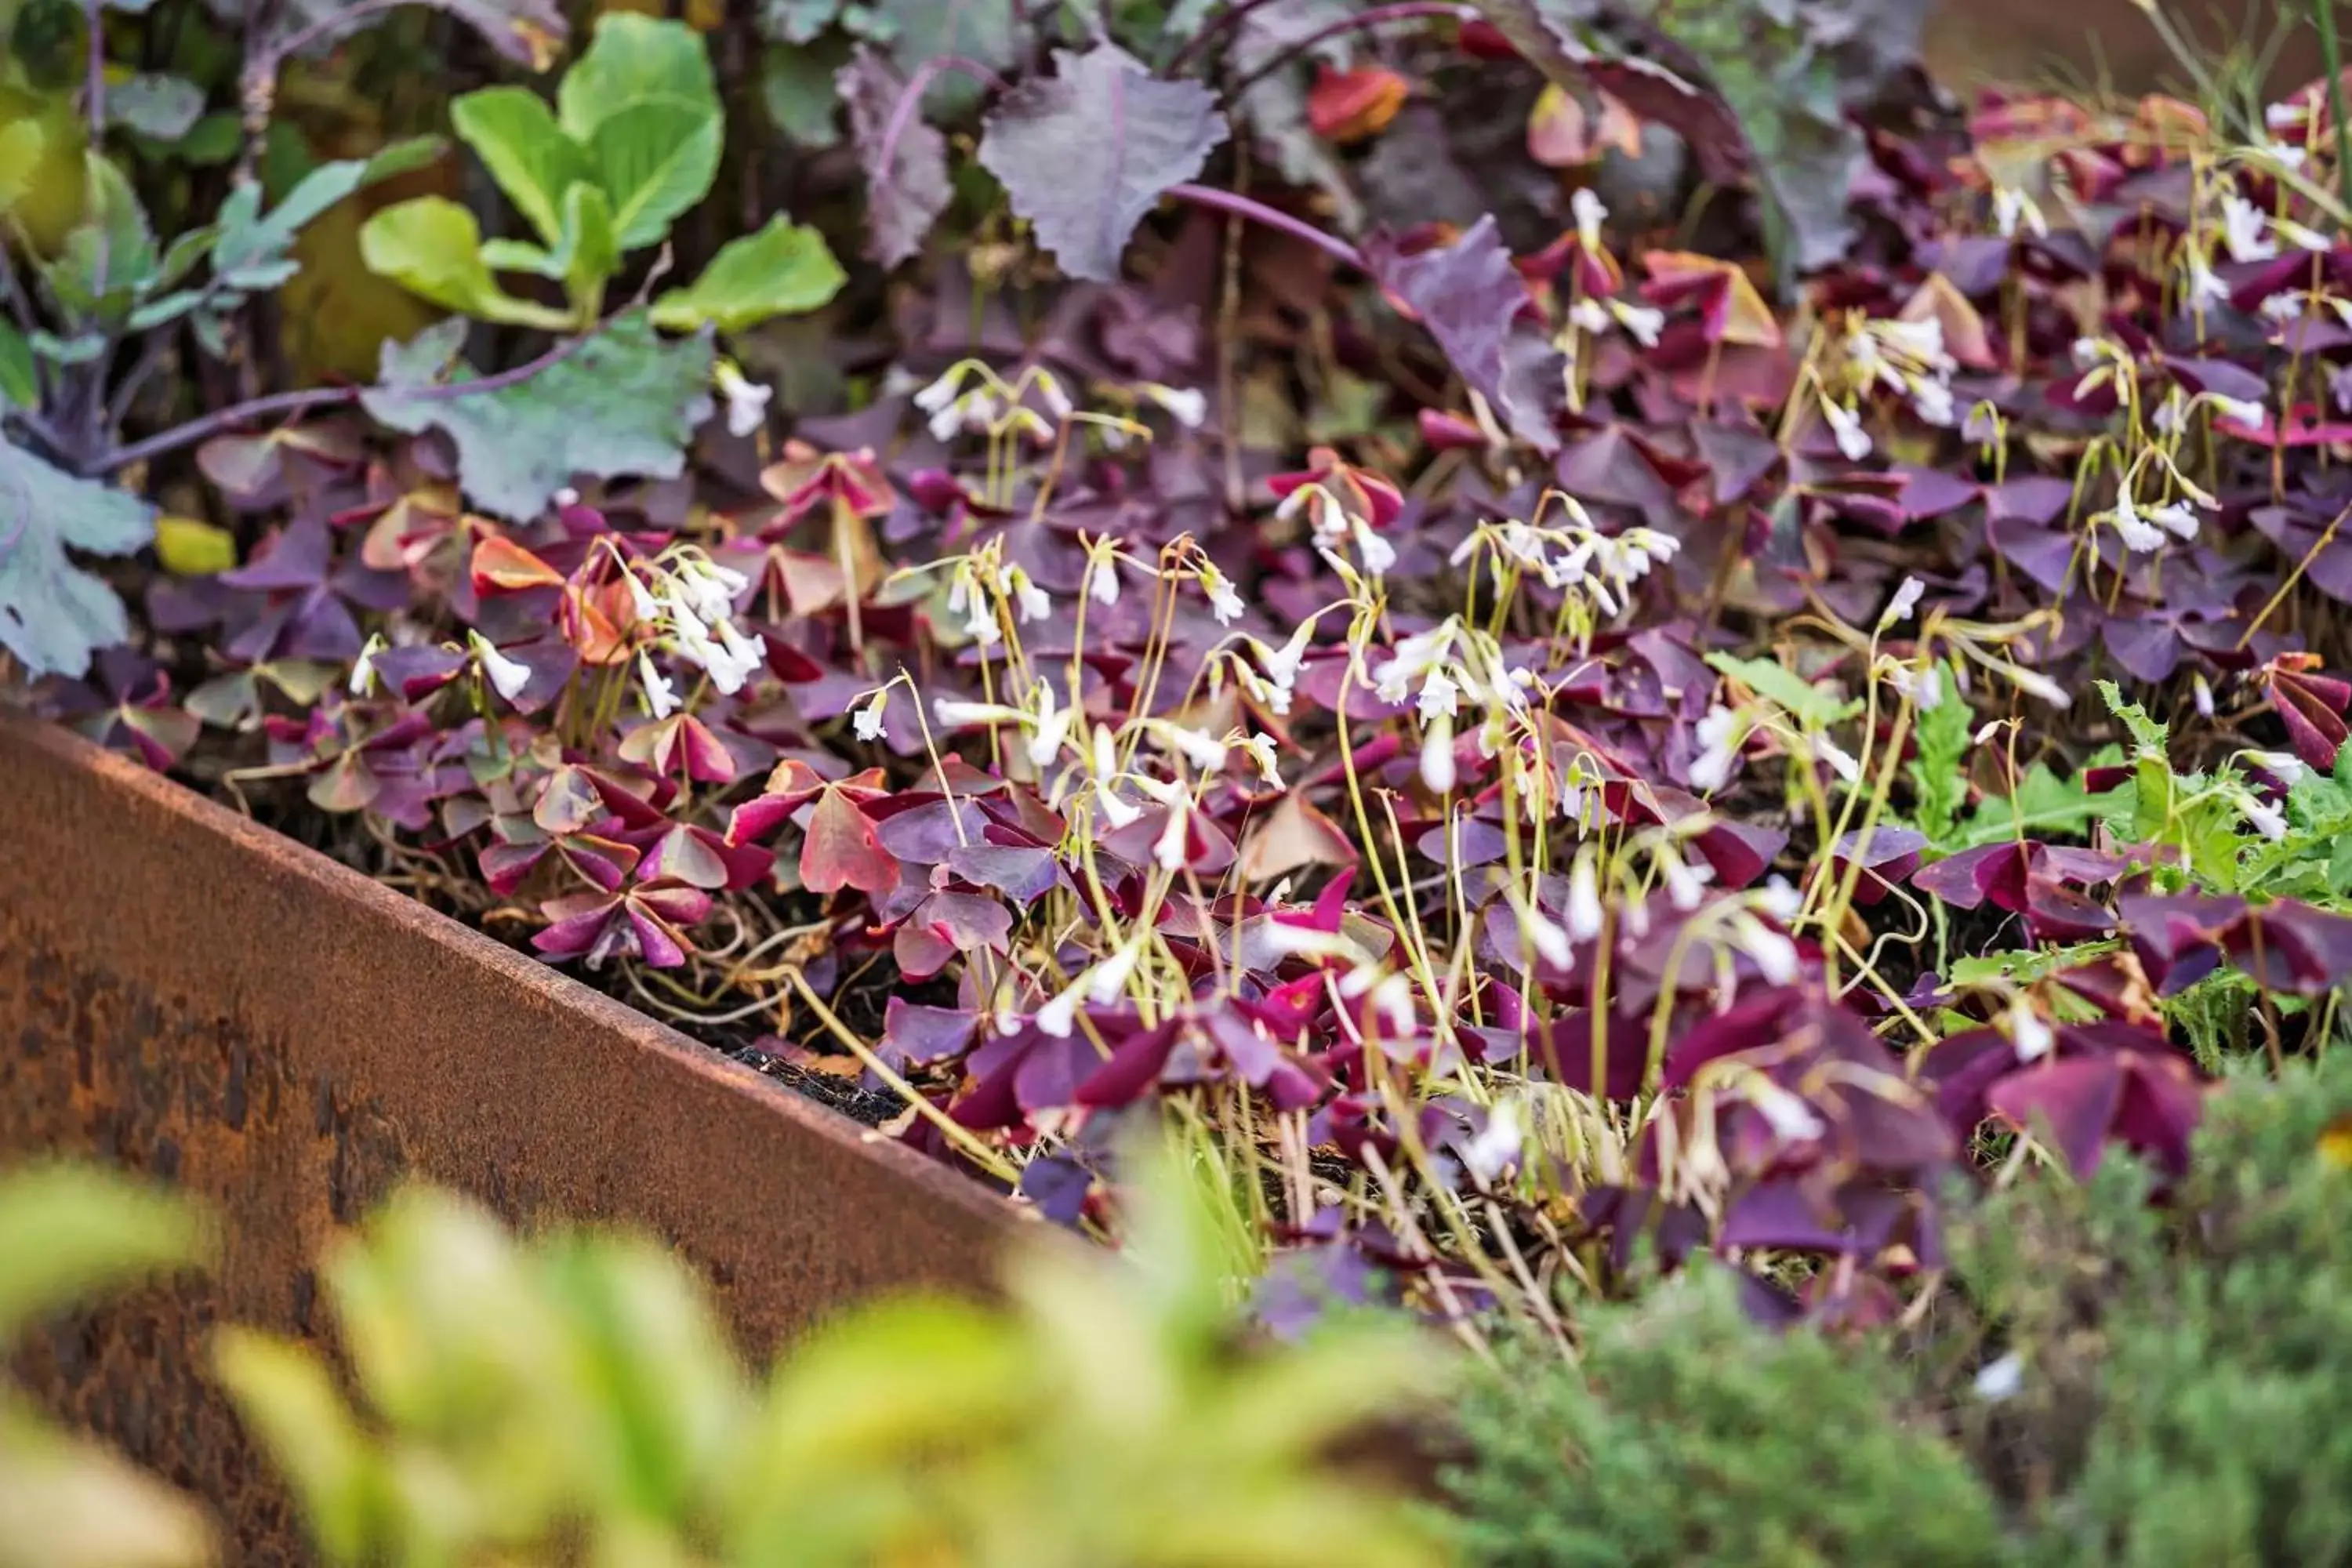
186, 994
2109, 43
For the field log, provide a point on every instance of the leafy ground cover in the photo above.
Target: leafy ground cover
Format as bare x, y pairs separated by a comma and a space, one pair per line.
1565, 634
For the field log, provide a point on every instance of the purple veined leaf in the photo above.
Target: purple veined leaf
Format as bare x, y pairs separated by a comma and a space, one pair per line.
1300, 1286
1738, 457
2176, 936
1059, 1186
1740, 852
1994, 871
1469, 296
2297, 535
945, 925
645, 921
302, 555
1889, 857
1466, 841
1132, 1071
1610, 464
2147, 643
2290, 946
2222, 377
695, 855
925, 833
914, 1035
1565, 1049
1020, 872
2146, 1101
1086, 153
2044, 555
904, 199
2310, 704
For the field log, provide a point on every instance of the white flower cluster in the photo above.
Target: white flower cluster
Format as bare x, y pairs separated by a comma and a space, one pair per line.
1594, 317
1437, 669
685, 604
1577, 557
1334, 526
983, 581
1906, 358
972, 397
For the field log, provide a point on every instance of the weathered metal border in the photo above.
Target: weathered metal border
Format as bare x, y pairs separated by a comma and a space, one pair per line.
187, 994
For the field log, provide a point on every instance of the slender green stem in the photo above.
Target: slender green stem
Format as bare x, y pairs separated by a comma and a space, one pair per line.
2323, 16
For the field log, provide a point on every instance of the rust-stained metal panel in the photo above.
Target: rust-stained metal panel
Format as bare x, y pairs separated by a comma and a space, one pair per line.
189, 996
2111, 43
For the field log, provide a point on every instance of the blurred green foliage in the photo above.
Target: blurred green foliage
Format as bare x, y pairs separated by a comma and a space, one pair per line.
67, 1236
571, 1399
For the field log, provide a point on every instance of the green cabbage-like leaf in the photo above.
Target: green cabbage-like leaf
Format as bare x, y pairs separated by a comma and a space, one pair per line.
55, 615
626, 402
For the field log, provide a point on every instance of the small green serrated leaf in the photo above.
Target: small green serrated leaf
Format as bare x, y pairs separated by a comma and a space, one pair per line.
2145, 731
1940, 775
432, 247
780, 270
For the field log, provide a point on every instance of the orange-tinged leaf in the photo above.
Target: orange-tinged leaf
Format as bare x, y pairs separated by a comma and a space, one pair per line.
1559, 133
2335, 1142
503, 565
1734, 311
1293, 835
1349, 106
596, 622
842, 849
1965, 337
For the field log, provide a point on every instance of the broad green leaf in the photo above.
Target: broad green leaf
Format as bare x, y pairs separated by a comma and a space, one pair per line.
66, 1503
21, 142
432, 247
171, 307
288, 1399
589, 252
19, 386
1800, 697
66, 1232
54, 615
515, 134
796, 22
796, 86
635, 61
655, 160
781, 269
82, 348
164, 106
110, 254
628, 402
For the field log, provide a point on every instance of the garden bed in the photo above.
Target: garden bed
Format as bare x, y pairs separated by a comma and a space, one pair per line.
197, 999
